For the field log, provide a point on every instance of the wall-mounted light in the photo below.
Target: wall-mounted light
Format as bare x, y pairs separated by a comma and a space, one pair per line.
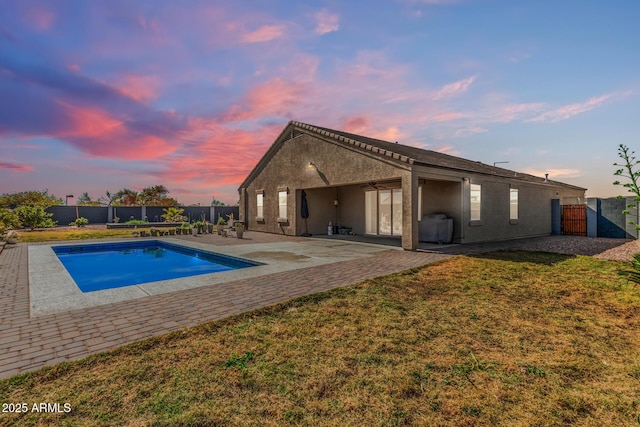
335, 202
312, 165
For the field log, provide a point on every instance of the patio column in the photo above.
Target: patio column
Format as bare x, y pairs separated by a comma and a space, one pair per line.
410, 211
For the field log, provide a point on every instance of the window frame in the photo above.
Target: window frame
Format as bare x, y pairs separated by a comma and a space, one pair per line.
282, 207
260, 206
514, 204
475, 206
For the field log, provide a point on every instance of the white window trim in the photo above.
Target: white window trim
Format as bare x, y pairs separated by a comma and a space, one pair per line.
282, 206
513, 219
475, 188
260, 205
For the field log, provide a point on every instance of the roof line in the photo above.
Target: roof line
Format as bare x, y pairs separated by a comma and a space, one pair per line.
359, 144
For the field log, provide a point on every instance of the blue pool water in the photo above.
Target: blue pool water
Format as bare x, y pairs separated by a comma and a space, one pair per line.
114, 265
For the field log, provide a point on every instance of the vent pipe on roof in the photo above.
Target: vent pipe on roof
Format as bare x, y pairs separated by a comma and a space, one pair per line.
546, 177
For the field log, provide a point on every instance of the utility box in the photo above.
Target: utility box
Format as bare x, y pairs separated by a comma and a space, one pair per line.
435, 228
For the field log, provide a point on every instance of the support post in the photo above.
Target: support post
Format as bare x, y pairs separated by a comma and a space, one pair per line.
410, 211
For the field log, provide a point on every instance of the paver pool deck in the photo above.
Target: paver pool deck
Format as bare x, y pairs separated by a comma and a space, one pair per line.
296, 267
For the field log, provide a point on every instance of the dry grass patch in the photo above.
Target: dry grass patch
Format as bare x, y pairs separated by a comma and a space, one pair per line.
512, 338
78, 234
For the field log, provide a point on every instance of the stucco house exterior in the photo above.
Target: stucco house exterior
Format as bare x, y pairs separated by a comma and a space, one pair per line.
377, 187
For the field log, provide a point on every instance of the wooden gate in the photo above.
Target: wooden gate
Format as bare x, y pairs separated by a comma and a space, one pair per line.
574, 220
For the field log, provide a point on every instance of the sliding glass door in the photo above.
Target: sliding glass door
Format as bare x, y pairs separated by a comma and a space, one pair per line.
383, 212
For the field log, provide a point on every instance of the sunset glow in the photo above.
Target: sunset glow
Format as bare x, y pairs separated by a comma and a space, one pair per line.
98, 96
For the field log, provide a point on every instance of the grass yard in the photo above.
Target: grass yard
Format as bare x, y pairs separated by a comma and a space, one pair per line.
509, 338
77, 234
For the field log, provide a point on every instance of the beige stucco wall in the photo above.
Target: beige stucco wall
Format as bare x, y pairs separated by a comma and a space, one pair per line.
534, 209
342, 173
334, 166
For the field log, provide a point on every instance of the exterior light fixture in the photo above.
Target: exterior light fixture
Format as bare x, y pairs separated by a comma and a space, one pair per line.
312, 165
335, 202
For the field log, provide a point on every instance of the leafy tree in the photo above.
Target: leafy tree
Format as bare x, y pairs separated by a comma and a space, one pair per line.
629, 170
173, 214
8, 221
107, 198
29, 198
85, 200
156, 195
215, 202
125, 197
34, 217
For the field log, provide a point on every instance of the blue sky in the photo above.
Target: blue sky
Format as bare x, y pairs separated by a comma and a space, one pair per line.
103, 95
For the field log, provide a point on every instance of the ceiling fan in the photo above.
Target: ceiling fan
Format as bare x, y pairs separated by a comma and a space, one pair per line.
375, 186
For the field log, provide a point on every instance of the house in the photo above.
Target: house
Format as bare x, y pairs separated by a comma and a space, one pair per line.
382, 188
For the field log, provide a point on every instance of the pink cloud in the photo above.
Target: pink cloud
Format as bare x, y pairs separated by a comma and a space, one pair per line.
264, 34
554, 173
138, 87
40, 19
448, 116
97, 133
274, 98
370, 65
469, 131
357, 125
568, 111
73, 68
448, 149
326, 22
455, 88
14, 166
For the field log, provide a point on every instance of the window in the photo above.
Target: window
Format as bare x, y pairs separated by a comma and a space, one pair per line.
475, 201
513, 203
383, 212
259, 205
282, 204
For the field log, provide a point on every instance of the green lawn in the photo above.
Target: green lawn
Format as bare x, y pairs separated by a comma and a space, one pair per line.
509, 338
80, 233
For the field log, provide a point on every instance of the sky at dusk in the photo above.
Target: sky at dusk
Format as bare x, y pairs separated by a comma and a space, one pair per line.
103, 95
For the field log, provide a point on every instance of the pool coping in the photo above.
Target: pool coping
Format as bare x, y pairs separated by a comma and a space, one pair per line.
52, 289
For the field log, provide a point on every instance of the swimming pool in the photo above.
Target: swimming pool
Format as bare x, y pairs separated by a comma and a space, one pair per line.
96, 267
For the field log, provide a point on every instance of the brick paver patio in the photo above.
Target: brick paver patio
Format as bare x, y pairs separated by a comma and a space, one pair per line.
27, 343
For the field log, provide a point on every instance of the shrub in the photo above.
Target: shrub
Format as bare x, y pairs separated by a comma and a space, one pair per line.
80, 222
173, 215
8, 221
35, 217
137, 222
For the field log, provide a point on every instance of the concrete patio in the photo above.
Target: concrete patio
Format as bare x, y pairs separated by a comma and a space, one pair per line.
33, 337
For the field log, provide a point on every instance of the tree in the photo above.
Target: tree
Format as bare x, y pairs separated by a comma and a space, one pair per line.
8, 221
629, 171
29, 198
173, 214
125, 197
215, 202
107, 198
34, 217
85, 200
156, 195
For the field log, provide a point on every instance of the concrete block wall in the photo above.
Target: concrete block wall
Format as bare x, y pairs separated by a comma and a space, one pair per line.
605, 218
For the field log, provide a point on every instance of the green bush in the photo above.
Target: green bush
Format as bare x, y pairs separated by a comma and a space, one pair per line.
137, 222
8, 220
35, 217
80, 222
173, 215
